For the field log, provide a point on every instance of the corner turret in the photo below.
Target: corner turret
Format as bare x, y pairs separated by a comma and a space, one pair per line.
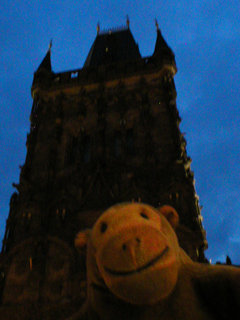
43, 75
46, 63
162, 52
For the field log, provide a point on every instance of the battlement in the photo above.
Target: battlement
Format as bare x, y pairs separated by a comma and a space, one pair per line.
108, 72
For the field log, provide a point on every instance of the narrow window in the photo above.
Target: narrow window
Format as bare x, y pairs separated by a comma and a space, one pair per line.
34, 107
118, 144
87, 149
74, 74
130, 142
72, 150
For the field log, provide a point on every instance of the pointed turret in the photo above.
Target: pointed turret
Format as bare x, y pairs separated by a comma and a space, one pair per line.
42, 76
46, 63
162, 51
161, 45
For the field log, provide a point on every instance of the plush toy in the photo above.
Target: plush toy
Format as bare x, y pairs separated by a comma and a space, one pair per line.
136, 270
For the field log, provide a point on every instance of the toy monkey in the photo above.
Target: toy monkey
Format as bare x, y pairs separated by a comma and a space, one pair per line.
137, 271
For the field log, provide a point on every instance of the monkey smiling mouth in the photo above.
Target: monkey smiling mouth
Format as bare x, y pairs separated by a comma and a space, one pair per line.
145, 266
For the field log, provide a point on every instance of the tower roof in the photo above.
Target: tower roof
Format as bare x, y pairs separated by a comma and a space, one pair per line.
112, 46
161, 45
46, 63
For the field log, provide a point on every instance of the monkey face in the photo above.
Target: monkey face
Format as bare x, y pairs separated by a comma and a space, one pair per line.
136, 252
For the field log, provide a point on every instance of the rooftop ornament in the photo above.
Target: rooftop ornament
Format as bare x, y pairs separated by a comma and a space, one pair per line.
128, 22
116, 29
98, 28
110, 30
50, 46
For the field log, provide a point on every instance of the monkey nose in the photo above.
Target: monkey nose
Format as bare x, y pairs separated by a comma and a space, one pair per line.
130, 248
131, 243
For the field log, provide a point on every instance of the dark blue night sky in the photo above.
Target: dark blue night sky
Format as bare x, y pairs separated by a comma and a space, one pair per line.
205, 37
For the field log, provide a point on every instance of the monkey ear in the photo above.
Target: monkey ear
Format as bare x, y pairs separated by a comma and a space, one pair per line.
170, 214
81, 239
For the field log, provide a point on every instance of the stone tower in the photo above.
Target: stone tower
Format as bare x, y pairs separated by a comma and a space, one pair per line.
99, 135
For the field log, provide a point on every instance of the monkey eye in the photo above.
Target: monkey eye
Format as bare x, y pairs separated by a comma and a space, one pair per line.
103, 227
144, 215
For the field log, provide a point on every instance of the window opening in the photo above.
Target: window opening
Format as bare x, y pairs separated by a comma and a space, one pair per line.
130, 142
118, 144
87, 149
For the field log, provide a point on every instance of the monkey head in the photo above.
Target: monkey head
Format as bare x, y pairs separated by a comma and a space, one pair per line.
133, 251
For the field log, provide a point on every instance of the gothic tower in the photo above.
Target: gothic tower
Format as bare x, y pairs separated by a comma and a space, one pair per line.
99, 135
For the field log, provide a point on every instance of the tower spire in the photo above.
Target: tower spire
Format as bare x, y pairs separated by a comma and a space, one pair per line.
50, 46
128, 21
46, 62
161, 45
156, 24
98, 27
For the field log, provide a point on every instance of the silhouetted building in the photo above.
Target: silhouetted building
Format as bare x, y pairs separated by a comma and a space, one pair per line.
99, 135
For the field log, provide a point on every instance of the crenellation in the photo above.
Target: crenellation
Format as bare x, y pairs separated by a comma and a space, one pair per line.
102, 73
